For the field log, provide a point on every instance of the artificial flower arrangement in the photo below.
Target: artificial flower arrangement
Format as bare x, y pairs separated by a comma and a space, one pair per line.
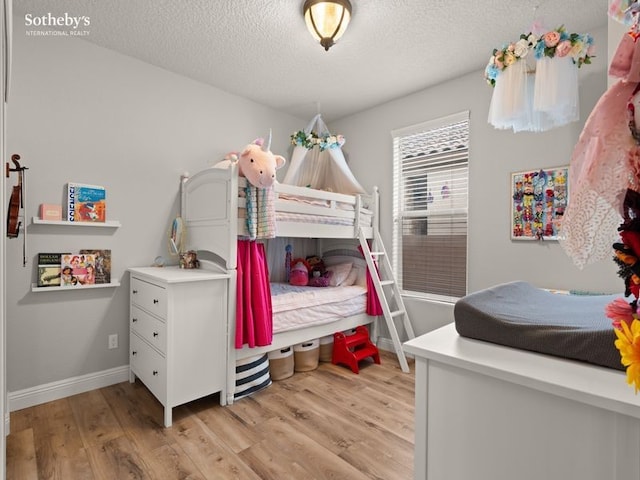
508, 55
555, 43
624, 315
310, 140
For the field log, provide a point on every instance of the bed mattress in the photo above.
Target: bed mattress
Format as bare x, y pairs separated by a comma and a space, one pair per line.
520, 315
297, 307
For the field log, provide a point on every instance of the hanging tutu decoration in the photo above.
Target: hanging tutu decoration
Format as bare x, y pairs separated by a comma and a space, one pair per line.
603, 161
535, 80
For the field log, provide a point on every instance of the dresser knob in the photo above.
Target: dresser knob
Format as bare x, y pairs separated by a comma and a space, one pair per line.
134, 320
155, 334
134, 353
155, 300
134, 292
155, 372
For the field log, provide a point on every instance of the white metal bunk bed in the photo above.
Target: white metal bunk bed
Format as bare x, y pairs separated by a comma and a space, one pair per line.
212, 213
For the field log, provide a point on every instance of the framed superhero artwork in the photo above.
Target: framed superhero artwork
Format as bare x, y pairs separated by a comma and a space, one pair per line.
538, 201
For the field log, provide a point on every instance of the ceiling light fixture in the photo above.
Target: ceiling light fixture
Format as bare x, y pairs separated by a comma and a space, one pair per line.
327, 20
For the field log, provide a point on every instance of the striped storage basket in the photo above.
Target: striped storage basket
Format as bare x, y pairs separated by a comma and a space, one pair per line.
252, 375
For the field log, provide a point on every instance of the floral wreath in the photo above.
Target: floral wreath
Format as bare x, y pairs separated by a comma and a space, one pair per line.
553, 43
310, 140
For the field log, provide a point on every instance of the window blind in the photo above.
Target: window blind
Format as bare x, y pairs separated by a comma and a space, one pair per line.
431, 171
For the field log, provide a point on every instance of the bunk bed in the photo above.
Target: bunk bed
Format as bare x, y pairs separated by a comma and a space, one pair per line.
213, 210
212, 207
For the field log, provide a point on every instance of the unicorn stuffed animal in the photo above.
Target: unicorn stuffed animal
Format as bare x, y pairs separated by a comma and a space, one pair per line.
256, 163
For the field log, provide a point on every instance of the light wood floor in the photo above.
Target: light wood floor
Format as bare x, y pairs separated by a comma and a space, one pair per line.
326, 424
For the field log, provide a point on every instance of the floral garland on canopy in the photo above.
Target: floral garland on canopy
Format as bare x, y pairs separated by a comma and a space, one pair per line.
312, 139
554, 43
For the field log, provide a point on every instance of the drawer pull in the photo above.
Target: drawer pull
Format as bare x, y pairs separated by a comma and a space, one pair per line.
155, 372
155, 300
134, 320
134, 291
134, 353
155, 334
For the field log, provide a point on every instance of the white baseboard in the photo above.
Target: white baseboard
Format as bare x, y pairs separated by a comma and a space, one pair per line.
65, 388
385, 343
30, 397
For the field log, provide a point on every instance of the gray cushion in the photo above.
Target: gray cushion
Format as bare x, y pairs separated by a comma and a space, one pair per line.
520, 315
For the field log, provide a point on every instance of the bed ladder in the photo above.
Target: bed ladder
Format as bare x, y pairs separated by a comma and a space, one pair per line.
388, 292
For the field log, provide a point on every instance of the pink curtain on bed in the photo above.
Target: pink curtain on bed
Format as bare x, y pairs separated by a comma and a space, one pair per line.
373, 302
254, 326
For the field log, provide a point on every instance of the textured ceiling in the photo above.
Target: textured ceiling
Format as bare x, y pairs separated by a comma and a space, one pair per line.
260, 49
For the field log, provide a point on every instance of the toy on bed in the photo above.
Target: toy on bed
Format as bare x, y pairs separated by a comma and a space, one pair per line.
299, 272
256, 162
258, 165
319, 276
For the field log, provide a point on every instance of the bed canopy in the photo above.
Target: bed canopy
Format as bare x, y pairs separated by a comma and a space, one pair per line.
318, 161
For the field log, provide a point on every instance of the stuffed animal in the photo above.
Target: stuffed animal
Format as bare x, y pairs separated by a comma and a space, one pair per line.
299, 272
256, 163
318, 280
318, 274
316, 266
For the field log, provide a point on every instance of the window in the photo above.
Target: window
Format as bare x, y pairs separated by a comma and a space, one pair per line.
430, 183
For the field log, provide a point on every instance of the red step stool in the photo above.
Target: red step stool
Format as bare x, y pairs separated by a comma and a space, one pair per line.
350, 349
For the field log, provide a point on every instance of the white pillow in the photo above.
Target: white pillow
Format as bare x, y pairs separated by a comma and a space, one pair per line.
351, 279
339, 273
361, 278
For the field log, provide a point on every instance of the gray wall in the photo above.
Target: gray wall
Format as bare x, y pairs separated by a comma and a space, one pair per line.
82, 113
494, 154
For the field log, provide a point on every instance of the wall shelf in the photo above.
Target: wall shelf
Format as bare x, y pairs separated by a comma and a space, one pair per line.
107, 224
35, 288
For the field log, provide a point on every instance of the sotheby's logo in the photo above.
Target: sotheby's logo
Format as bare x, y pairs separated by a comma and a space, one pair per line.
56, 25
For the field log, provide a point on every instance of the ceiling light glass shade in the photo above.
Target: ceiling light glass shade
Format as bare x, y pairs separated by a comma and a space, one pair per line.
327, 20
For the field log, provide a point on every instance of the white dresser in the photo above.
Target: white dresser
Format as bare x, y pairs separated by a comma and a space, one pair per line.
178, 333
490, 412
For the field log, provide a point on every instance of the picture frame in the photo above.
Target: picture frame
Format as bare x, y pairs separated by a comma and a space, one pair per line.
539, 199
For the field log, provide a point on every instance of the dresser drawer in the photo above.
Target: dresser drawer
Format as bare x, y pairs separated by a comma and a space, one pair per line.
150, 328
151, 297
149, 366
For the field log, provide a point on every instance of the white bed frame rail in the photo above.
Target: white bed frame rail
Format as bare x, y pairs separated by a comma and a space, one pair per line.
209, 206
210, 202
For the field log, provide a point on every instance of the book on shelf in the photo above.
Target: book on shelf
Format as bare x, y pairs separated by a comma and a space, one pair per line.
102, 264
48, 276
77, 269
50, 212
85, 203
50, 258
49, 269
